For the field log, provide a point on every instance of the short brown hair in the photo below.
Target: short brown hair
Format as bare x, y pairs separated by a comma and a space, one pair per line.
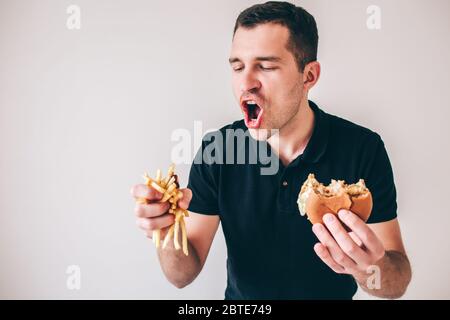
303, 39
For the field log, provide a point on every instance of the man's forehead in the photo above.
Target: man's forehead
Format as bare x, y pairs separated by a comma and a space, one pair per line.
267, 39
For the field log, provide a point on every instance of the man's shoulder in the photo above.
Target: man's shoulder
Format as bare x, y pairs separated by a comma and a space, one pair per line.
341, 128
346, 126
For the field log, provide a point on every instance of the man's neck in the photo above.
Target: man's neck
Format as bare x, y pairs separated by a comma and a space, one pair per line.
294, 136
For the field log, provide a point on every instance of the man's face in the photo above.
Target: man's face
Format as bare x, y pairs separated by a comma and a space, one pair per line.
266, 73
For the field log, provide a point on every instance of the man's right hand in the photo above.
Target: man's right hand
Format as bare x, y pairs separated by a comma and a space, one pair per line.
154, 215
200, 228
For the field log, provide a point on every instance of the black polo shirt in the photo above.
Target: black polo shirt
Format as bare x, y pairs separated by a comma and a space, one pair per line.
269, 244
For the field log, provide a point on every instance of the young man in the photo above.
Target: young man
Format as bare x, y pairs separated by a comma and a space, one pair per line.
273, 251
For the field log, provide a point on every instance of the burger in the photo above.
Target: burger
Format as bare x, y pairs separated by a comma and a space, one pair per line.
316, 199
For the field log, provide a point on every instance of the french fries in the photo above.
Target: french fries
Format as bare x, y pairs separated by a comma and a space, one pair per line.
168, 186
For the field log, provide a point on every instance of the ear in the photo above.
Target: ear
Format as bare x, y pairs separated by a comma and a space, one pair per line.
311, 75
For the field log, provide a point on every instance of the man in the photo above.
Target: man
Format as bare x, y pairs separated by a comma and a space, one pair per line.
273, 251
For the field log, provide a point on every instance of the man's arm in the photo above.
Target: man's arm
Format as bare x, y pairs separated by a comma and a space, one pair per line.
365, 250
180, 269
395, 269
395, 275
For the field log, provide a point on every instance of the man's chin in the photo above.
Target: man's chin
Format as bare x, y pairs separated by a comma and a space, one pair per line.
262, 134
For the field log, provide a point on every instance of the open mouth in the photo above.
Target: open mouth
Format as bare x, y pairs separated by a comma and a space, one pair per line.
252, 114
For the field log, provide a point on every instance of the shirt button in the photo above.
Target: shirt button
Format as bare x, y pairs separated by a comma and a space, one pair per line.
285, 183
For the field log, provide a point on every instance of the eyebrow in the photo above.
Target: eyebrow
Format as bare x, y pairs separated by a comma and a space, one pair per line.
263, 58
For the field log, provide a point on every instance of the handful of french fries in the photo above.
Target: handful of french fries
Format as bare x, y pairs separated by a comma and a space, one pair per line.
169, 187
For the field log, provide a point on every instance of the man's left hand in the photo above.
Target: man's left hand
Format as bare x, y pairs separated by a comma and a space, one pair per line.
347, 253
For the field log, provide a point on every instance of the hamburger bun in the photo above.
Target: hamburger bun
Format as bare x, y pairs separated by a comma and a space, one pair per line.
315, 199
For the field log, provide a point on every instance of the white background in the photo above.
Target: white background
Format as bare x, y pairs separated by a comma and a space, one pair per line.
83, 113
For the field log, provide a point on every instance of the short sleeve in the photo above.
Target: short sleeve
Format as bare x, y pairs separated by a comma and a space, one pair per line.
379, 178
204, 185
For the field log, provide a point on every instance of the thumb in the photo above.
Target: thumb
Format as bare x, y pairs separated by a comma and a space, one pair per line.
186, 199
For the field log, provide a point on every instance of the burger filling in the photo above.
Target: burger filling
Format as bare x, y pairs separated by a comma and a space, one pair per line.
333, 189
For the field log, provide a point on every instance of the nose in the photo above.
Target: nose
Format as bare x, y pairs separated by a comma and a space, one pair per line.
249, 83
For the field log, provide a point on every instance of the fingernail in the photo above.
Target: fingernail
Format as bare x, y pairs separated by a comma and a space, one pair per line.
328, 217
318, 248
183, 205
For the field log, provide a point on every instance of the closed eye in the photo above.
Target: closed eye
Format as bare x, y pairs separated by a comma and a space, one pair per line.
268, 68
240, 68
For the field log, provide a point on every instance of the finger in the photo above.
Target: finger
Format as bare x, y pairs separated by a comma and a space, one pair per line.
325, 256
336, 252
356, 239
344, 241
361, 229
186, 199
150, 210
143, 191
151, 224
